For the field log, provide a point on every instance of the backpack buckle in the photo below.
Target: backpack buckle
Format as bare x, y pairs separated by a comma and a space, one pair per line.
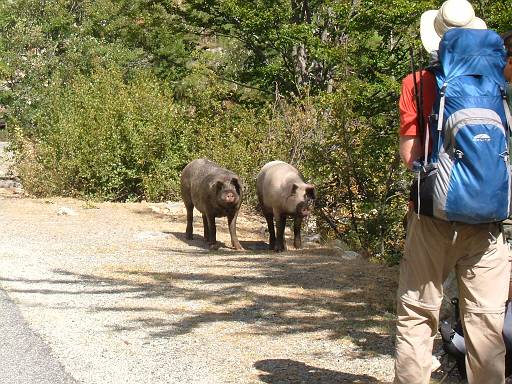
503, 93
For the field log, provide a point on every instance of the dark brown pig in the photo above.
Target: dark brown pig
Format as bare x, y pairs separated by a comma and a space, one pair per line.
282, 192
215, 192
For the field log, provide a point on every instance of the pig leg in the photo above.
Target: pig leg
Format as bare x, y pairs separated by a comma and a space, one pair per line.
271, 230
190, 217
232, 231
297, 223
206, 229
212, 233
281, 225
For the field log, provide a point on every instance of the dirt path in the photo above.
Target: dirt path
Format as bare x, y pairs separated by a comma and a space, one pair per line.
121, 297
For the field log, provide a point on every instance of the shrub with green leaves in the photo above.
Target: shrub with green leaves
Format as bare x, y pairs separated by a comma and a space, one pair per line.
360, 180
104, 136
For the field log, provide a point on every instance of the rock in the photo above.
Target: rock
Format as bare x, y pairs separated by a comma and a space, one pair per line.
436, 364
337, 243
350, 255
66, 211
9, 183
315, 238
149, 235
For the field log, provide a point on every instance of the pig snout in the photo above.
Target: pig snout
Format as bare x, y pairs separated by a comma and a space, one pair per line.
304, 212
303, 209
230, 197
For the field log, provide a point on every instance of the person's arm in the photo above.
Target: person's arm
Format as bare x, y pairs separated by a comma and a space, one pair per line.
410, 149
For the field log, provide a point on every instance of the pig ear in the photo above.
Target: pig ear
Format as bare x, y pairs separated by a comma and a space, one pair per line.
294, 189
236, 182
311, 191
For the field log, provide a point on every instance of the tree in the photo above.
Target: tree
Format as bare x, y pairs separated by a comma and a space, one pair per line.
295, 44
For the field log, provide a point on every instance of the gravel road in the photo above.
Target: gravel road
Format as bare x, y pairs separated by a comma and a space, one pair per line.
118, 295
24, 357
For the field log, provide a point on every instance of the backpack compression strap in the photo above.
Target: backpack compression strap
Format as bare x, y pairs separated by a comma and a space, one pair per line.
440, 117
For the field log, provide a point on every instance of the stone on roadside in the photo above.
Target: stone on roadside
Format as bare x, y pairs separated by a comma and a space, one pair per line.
150, 235
436, 364
315, 238
9, 183
350, 255
65, 211
337, 243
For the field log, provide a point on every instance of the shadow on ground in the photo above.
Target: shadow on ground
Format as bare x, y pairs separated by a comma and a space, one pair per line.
312, 290
285, 371
245, 229
199, 241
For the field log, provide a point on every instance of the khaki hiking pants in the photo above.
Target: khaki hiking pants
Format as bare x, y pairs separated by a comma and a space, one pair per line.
480, 257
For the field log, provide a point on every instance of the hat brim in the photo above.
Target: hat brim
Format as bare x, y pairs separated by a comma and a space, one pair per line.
429, 37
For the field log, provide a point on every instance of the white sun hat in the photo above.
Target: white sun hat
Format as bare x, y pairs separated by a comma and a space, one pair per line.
452, 14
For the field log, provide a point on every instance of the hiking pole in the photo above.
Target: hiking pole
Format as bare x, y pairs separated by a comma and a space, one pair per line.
424, 134
414, 80
418, 93
419, 116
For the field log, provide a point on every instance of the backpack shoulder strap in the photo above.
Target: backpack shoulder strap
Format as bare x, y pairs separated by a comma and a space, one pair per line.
506, 108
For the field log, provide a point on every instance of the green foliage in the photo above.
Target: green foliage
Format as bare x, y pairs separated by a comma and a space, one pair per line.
279, 42
104, 137
357, 170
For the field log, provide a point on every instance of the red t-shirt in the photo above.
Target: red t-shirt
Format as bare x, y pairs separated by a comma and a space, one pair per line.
407, 103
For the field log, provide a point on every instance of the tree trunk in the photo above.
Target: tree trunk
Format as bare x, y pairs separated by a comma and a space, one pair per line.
301, 14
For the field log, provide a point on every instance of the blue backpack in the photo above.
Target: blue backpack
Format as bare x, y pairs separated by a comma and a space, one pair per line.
466, 178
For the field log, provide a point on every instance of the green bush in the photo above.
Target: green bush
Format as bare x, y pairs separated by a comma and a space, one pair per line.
106, 137
355, 163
